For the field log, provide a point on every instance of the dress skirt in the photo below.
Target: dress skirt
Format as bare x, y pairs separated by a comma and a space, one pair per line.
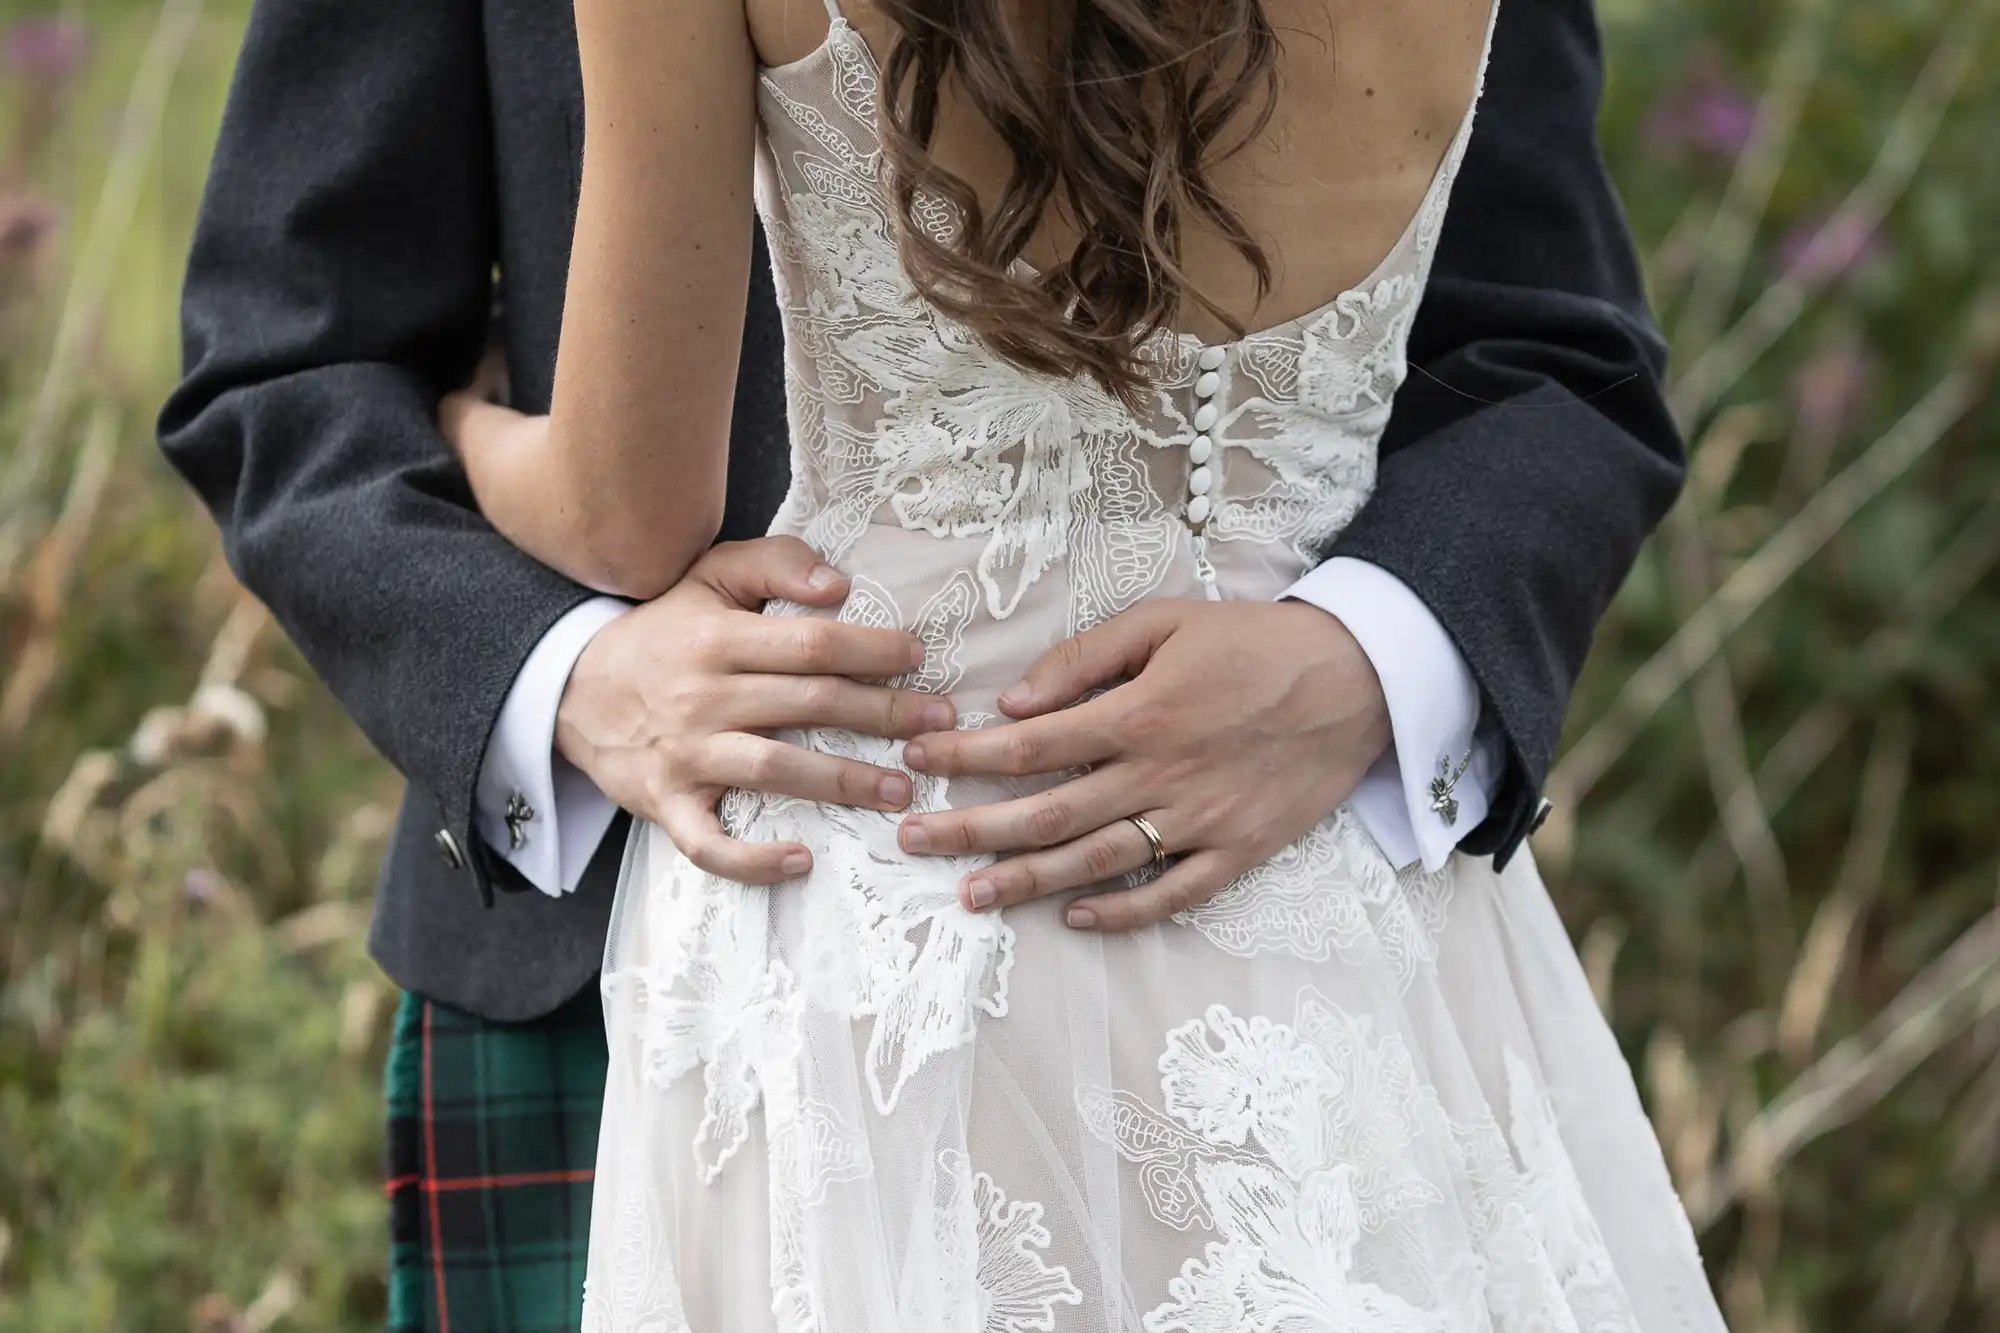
1336, 1097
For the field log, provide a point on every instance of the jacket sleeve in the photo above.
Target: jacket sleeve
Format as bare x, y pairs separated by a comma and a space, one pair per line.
1530, 451
340, 279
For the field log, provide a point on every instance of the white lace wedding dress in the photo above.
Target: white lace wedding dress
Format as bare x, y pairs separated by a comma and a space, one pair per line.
1333, 1098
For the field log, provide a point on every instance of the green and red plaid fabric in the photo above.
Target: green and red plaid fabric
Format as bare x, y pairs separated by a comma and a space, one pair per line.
492, 1143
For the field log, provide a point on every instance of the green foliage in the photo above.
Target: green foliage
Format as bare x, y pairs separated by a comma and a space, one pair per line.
190, 1033
214, 1131
1858, 691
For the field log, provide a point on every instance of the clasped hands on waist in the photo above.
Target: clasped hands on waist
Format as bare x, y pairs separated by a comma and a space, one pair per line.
1232, 729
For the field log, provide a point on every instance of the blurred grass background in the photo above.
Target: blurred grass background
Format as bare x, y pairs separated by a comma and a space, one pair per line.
1776, 842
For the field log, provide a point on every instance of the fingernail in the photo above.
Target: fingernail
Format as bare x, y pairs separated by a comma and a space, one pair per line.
916, 839
1015, 695
938, 716
982, 893
913, 755
796, 864
823, 576
1080, 918
919, 653
894, 789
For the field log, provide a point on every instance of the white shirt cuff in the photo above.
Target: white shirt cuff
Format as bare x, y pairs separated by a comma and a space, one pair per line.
1433, 785
559, 816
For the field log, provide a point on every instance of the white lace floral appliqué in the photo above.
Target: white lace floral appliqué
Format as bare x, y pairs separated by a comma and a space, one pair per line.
641, 1294
1331, 894
1297, 1147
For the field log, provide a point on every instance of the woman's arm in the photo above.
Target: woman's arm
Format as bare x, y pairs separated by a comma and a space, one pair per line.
621, 486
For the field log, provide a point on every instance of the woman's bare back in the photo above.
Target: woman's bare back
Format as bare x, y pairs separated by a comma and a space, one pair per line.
1369, 99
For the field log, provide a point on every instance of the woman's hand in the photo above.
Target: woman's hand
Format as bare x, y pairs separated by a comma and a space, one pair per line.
1239, 726
478, 428
472, 417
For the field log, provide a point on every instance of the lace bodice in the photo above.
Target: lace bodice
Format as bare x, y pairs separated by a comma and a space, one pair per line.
1247, 458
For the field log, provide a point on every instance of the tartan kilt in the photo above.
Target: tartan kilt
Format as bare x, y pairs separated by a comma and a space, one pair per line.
492, 1145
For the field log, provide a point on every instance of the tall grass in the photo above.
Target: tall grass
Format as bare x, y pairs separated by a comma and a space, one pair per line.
190, 1031
1776, 833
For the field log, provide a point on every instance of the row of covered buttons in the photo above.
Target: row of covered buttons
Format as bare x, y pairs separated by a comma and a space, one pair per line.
1200, 476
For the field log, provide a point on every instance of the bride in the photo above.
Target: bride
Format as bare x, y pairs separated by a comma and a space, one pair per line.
1090, 307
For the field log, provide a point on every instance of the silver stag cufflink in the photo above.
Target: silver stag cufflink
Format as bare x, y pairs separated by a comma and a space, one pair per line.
517, 815
1443, 801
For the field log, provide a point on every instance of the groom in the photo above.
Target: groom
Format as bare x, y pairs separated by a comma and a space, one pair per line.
383, 161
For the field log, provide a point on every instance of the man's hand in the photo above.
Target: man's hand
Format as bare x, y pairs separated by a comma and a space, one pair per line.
1239, 726
667, 707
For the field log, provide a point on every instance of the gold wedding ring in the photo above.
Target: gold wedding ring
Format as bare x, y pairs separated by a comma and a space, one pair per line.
1153, 839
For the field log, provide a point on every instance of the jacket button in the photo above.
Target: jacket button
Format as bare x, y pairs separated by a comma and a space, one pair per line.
448, 848
1541, 815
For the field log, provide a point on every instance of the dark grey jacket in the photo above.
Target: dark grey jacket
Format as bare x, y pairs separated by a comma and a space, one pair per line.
382, 161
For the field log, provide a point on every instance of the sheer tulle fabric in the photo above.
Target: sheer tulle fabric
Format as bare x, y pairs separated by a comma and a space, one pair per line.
1333, 1098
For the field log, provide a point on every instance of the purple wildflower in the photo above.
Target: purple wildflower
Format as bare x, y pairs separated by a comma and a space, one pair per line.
1707, 111
201, 885
1831, 388
48, 50
1819, 250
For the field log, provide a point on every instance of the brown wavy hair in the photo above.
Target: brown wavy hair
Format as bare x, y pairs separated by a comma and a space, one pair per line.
1117, 122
